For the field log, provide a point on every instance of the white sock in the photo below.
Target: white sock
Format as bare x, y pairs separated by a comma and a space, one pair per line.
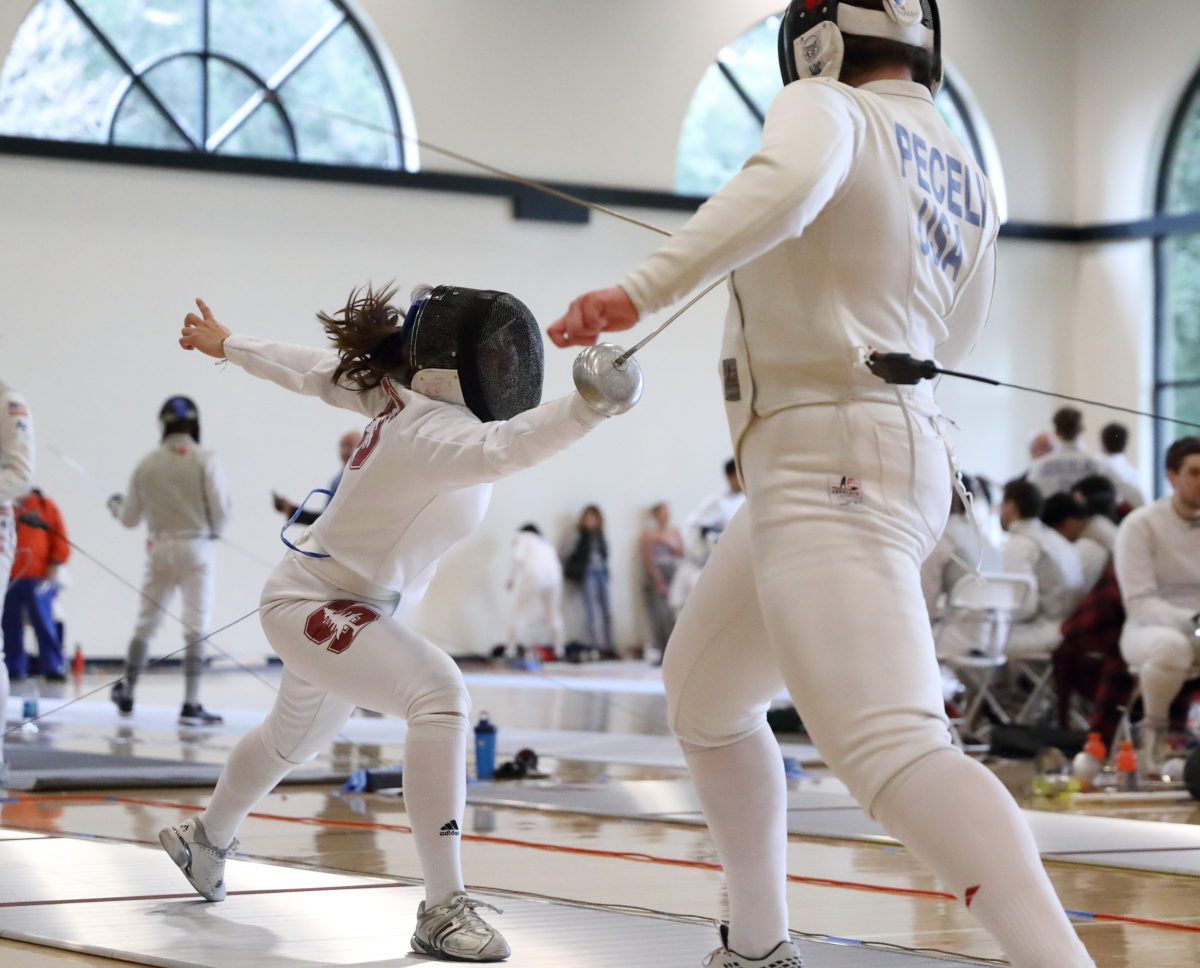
435, 797
959, 820
744, 795
251, 772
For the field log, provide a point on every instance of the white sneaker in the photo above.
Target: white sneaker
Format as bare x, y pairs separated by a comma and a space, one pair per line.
202, 863
455, 932
783, 955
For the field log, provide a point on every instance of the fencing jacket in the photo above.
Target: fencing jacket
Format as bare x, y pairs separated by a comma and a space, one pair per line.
1052, 561
420, 479
1158, 566
860, 222
16, 447
180, 491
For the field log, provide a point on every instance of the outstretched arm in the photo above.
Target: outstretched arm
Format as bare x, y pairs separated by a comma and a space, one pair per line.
302, 369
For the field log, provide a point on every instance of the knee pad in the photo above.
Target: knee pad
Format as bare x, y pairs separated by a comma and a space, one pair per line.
447, 706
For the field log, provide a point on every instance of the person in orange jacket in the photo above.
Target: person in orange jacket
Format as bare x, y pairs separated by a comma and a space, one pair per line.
41, 547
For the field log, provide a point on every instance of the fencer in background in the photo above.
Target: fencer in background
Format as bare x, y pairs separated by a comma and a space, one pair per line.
16, 477
535, 579
860, 223
1069, 461
451, 387
179, 490
1158, 568
713, 516
306, 515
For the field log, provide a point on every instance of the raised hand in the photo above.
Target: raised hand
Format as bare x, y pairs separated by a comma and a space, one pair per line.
204, 333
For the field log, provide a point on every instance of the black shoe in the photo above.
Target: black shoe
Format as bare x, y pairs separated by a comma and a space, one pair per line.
122, 695
193, 714
55, 677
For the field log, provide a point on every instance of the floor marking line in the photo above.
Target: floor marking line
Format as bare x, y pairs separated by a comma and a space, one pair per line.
194, 896
582, 851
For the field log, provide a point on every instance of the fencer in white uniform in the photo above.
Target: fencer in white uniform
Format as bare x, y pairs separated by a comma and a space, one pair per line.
860, 223
333, 610
179, 490
16, 478
535, 579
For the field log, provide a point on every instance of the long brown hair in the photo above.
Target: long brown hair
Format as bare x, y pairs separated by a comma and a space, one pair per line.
366, 333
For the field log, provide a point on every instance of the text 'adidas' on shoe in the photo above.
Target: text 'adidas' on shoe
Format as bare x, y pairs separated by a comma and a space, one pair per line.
783, 955
454, 931
193, 714
202, 863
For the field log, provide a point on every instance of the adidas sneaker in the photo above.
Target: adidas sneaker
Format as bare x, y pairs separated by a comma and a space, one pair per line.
202, 863
783, 955
454, 931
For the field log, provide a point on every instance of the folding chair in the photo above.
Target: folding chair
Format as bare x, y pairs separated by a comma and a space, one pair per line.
971, 635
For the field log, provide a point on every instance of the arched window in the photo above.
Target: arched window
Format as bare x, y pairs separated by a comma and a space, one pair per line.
297, 80
1177, 340
724, 121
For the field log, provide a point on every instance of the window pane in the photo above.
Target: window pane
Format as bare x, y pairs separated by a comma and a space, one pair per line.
1181, 323
264, 135
140, 123
1183, 182
228, 89
144, 29
57, 81
719, 134
176, 83
264, 35
341, 78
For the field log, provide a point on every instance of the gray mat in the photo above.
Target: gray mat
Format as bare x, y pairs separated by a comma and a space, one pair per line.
35, 768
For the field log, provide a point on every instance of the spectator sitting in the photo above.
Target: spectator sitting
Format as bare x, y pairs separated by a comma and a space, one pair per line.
1049, 559
1113, 439
41, 548
1099, 496
1060, 469
1158, 568
1067, 515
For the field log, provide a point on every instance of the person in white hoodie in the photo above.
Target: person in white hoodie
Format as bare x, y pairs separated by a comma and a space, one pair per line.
859, 225
16, 478
418, 482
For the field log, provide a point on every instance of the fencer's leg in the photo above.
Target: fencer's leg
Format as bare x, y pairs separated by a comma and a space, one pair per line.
838, 582
435, 787
959, 820
552, 602
720, 678
157, 587
303, 720
1162, 657
196, 590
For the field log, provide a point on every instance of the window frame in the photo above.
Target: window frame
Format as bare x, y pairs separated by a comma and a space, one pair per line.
345, 14
1172, 226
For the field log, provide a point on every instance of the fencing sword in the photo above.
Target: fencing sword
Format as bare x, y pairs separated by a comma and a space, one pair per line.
600, 366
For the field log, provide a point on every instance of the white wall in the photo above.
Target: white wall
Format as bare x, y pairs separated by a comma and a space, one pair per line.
102, 262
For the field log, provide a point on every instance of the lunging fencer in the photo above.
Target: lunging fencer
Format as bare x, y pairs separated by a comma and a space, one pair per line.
860, 224
179, 490
452, 387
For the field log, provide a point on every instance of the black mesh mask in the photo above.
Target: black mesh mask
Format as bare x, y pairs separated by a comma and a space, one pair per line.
476, 347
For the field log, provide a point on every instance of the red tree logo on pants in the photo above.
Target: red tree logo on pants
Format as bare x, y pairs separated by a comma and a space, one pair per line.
338, 623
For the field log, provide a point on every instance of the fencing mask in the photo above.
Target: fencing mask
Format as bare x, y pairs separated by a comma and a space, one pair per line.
812, 33
179, 415
476, 347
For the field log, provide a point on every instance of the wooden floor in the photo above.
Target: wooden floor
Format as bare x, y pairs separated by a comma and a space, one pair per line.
579, 857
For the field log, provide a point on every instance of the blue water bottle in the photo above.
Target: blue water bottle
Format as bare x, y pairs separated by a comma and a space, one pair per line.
485, 748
